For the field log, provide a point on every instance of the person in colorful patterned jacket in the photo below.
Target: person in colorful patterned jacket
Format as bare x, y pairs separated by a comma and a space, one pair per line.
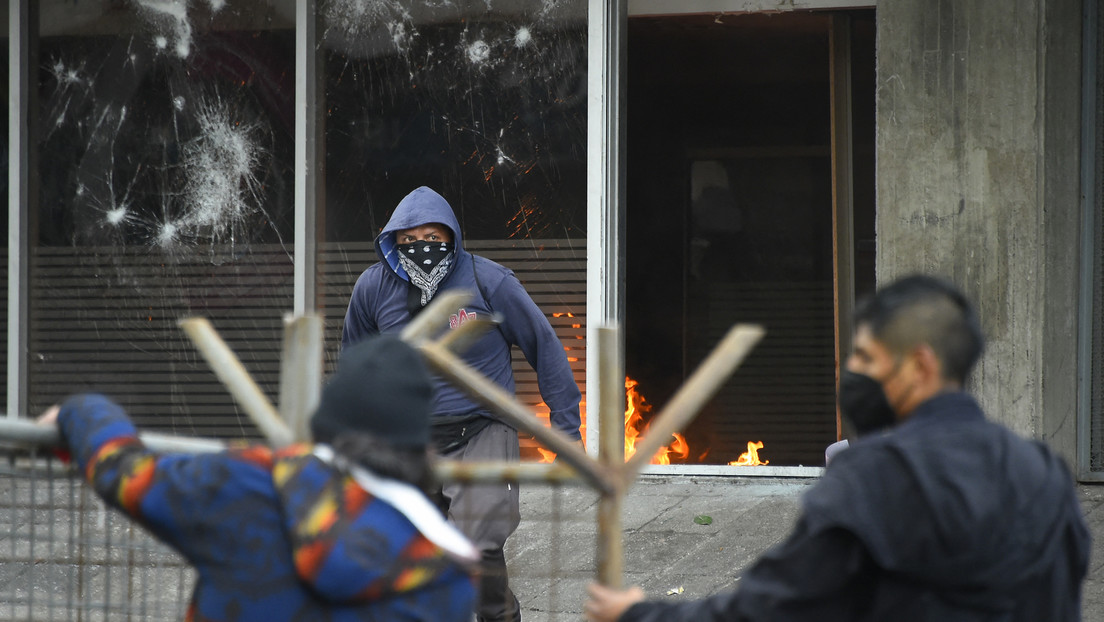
341, 530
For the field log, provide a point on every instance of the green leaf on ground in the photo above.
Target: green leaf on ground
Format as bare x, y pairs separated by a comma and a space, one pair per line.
702, 519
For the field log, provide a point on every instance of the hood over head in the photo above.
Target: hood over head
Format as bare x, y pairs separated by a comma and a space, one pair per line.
420, 207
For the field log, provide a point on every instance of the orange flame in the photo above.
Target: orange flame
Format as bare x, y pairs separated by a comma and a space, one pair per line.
635, 404
751, 456
679, 448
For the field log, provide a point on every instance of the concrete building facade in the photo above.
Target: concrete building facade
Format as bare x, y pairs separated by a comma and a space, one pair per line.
981, 166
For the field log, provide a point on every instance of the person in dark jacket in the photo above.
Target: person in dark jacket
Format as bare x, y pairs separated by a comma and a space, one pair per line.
421, 253
339, 531
933, 513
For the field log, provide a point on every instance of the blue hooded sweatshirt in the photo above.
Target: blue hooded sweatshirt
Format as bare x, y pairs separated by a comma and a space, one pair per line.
379, 305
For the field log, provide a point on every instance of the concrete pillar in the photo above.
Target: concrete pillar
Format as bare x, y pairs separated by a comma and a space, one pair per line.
978, 125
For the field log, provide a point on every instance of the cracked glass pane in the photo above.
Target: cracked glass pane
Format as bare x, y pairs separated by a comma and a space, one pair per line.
4, 189
162, 136
485, 102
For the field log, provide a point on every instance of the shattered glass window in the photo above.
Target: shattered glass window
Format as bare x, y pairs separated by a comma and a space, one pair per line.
485, 102
4, 190
162, 135
482, 100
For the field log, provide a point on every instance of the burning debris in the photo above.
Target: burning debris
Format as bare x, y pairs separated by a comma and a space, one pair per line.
751, 456
636, 405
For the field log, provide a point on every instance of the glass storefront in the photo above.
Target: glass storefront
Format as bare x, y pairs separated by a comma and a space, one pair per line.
486, 104
163, 185
162, 137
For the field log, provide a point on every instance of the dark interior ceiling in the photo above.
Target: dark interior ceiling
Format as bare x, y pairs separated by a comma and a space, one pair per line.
745, 49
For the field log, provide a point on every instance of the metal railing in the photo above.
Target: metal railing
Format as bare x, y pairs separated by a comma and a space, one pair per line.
64, 555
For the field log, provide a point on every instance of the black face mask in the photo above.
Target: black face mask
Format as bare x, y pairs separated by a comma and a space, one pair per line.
426, 255
863, 402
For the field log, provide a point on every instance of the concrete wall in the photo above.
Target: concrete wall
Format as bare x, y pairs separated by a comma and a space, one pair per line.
977, 179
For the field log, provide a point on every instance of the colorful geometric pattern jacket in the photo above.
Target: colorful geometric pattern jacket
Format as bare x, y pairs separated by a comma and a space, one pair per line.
272, 535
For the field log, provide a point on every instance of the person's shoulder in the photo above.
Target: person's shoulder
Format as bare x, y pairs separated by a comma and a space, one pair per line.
372, 276
489, 274
373, 271
863, 462
491, 266
868, 476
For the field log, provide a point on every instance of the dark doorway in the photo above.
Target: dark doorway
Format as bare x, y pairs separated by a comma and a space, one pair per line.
730, 219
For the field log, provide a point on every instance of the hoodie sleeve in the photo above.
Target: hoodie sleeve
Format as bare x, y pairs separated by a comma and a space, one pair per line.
359, 318
525, 325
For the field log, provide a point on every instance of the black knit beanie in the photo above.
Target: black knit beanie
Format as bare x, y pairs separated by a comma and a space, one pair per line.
381, 387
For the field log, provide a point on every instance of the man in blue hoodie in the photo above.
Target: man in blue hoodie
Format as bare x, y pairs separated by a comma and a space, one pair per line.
933, 513
421, 253
340, 531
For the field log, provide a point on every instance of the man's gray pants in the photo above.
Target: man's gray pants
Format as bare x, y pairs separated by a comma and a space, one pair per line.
487, 514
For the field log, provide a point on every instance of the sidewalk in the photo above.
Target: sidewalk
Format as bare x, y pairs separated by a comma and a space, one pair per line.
551, 556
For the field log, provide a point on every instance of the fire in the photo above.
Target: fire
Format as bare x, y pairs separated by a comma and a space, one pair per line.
635, 405
751, 456
679, 448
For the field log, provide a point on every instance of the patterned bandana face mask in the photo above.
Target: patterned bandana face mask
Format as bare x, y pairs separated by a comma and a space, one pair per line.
427, 264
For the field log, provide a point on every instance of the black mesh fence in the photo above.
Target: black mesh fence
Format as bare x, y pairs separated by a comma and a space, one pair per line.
64, 555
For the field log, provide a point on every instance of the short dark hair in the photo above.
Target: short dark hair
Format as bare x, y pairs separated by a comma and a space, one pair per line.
925, 309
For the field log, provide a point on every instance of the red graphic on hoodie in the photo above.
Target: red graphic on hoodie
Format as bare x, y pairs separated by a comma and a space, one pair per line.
457, 319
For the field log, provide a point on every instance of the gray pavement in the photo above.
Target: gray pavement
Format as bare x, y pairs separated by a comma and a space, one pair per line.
551, 557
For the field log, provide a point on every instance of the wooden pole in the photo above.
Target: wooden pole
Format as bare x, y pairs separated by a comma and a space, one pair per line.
26, 432
301, 372
428, 323
491, 395
611, 454
239, 383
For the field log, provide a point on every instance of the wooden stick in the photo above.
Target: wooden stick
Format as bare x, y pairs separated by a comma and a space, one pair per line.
27, 432
464, 336
468, 472
695, 393
239, 383
611, 454
429, 321
301, 372
514, 413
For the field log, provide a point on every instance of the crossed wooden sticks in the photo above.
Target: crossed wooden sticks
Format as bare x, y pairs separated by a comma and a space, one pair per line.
610, 474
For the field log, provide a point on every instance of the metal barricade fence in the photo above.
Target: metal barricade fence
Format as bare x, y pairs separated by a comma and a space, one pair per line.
64, 555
